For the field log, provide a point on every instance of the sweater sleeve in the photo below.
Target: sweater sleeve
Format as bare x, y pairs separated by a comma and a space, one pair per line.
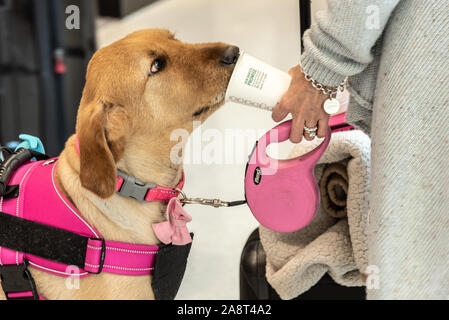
340, 41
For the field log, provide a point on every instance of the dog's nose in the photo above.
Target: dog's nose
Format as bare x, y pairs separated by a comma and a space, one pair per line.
230, 55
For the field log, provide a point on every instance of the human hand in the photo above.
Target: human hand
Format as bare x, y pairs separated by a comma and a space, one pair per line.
305, 103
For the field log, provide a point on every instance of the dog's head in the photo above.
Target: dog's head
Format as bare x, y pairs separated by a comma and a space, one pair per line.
141, 87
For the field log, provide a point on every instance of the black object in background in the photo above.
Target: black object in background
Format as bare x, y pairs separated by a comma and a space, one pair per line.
305, 18
254, 284
120, 8
36, 97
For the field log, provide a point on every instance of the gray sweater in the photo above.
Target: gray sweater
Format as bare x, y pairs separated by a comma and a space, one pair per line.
396, 55
346, 41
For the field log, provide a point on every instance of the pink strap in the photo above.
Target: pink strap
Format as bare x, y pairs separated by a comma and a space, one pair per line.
174, 229
20, 295
120, 257
8, 256
337, 120
158, 193
163, 193
338, 123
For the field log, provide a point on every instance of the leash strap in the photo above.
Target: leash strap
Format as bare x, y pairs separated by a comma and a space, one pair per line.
216, 203
338, 123
92, 255
236, 203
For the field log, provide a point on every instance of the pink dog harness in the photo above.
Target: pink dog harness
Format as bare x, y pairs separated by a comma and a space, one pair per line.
55, 238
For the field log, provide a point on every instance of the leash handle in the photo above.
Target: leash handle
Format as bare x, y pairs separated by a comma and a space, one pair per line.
279, 134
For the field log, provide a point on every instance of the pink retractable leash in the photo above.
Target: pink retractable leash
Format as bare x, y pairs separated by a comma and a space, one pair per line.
282, 194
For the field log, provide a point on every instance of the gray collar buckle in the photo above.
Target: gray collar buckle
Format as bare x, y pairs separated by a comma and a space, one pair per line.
133, 187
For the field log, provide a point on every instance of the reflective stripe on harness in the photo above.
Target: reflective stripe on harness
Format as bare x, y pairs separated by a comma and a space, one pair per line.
90, 254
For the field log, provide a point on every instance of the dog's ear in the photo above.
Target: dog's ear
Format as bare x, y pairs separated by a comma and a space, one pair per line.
101, 130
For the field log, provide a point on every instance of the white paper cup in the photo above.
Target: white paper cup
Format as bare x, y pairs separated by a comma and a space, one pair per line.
256, 83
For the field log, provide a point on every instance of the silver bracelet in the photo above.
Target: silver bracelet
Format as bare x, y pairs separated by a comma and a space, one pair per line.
331, 105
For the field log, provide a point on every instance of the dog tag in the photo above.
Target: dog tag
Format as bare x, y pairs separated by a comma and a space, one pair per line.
331, 106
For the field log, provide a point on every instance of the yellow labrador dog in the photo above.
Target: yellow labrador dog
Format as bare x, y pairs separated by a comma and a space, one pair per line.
138, 90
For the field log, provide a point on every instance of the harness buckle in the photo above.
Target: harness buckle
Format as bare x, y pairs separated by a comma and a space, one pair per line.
102, 255
17, 279
133, 187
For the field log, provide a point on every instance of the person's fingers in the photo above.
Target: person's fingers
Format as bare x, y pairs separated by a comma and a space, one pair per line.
279, 113
296, 132
322, 128
281, 110
310, 124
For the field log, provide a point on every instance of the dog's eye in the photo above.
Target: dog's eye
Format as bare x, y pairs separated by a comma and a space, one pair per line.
157, 65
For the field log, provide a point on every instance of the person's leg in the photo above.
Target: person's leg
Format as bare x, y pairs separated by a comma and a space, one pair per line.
408, 232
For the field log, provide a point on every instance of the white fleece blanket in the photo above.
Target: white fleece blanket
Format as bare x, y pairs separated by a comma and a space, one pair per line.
296, 261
